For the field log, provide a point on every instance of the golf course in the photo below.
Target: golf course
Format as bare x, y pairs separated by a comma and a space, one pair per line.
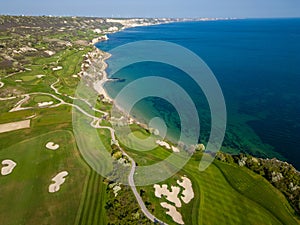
46, 178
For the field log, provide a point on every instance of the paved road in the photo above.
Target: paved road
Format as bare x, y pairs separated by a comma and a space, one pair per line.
144, 209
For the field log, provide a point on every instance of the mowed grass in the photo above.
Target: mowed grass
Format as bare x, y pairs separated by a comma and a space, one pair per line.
42, 98
221, 203
28, 78
218, 202
224, 194
38, 98
24, 193
92, 206
81, 199
143, 142
70, 61
252, 185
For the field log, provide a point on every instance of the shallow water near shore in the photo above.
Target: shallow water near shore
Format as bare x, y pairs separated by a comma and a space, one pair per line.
257, 65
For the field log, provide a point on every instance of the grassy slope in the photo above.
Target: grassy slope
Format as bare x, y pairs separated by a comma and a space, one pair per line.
224, 194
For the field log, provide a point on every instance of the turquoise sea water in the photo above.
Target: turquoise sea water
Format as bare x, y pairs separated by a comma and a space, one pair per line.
257, 63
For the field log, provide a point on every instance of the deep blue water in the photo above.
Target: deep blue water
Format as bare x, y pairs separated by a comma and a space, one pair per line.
257, 63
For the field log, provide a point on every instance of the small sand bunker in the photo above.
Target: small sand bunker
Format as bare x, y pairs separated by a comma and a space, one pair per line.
52, 146
8, 166
171, 196
188, 193
1, 84
163, 144
57, 68
40, 76
176, 216
174, 149
43, 104
59, 179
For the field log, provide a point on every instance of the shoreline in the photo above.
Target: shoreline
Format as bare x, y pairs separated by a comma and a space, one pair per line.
220, 156
99, 85
131, 118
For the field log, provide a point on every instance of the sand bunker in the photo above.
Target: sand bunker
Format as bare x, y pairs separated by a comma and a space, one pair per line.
57, 68
59, 179
40, 76
52, 146
8, 166
174, 149
6, 127
43, 104
171, 196
176, 216
163, 144
188, 193
1, 84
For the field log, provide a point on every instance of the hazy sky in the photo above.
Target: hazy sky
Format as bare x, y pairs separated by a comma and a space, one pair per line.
154, 8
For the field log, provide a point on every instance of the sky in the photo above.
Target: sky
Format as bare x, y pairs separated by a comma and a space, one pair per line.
154, 8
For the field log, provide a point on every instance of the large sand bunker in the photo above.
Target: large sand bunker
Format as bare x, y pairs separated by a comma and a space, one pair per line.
59, 179
6, 127
8, 166
52, 146
188, 193
171, 196
176, 216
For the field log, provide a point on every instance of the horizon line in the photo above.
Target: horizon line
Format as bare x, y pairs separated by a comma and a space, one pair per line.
147, 17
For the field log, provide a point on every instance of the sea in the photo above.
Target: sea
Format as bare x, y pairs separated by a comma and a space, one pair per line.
257, 65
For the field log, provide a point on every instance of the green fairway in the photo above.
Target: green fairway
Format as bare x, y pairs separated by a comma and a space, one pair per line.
28, 78
81, 199
224, 194
259, 190
42, 98
26, 189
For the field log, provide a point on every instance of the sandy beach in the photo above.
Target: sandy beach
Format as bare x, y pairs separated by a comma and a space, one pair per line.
99, 85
